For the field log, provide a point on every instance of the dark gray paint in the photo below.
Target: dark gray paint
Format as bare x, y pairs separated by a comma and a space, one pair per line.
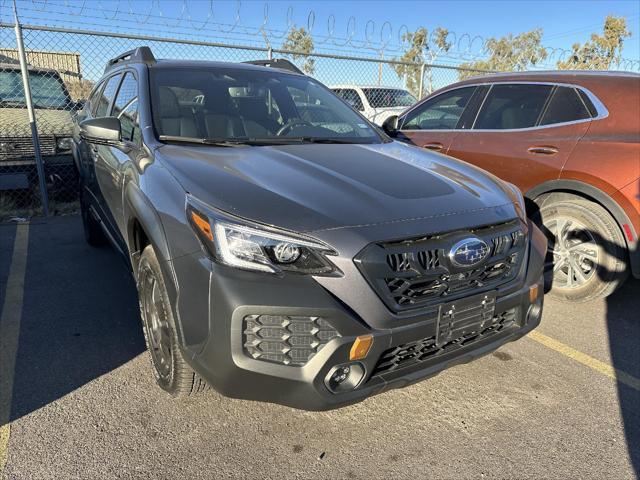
345, 195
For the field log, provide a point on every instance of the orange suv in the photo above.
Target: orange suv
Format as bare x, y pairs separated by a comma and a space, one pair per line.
571, 142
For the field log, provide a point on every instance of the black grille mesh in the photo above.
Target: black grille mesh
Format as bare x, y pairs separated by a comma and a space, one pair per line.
421, 350
417, 273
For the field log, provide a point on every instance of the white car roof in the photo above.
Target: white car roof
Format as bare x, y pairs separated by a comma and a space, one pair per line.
368, 86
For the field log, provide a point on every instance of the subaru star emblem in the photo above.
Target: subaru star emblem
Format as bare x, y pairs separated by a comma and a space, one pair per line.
468, 252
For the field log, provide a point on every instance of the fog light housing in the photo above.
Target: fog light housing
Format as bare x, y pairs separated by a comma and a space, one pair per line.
345, 377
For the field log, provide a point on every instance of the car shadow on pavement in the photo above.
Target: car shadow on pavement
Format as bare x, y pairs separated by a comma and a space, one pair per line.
624, 345
80, 316
623, 330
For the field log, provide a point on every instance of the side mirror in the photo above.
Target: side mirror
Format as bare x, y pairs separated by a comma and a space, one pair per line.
103, 131
390, 126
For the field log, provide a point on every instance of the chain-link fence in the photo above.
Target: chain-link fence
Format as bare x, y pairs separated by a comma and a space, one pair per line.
63, 65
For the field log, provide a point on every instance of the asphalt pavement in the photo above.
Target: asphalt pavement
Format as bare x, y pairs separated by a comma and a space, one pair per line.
78, 399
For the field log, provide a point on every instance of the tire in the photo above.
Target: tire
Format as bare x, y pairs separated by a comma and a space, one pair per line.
93, 233
587, 260
170, 370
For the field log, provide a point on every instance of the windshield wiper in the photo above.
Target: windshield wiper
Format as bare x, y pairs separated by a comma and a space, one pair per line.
220, 142
322, 140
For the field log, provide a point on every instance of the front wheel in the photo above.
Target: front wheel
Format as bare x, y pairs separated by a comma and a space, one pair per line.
586, 257
171, 372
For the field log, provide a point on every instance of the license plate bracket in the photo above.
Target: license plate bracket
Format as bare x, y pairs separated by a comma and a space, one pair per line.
466, 317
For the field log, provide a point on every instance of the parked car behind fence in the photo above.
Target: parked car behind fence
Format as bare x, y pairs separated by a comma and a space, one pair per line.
376, 103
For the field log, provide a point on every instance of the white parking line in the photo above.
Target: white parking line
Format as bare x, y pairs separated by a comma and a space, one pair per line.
9, 333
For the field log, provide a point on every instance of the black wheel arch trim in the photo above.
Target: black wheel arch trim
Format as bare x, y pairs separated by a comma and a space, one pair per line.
619, 215
138, 208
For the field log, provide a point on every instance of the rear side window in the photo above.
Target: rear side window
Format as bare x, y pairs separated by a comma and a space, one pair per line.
512, 106
351, 97
565, 106
440, 113
107, 95
93, 99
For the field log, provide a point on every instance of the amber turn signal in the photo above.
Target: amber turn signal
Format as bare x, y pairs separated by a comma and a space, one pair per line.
360, 347
533, 293
202, 224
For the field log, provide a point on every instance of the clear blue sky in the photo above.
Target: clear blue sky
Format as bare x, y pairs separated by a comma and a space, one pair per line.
563, 23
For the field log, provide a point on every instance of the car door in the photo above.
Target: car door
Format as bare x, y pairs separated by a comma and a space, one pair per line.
112, 161
433, 123
524, 132
95, 171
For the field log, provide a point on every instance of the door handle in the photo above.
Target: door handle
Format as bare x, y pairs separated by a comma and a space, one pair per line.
548, 150
437, 146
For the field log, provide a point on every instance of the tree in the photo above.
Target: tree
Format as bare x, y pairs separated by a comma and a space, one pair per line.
601, 51
509, 53
440, 44
417, 42
299, 42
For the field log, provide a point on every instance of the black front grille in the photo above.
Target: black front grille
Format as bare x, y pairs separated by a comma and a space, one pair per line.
419, 351
418, 272
20, 147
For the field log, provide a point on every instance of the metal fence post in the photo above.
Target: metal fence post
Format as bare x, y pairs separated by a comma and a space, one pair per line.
32, 114
421, 87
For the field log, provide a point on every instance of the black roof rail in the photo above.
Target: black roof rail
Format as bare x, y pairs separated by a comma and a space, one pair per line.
137, 55
281, 63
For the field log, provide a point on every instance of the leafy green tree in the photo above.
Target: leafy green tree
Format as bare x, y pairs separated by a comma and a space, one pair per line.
509, 53
300, 42
601, 51
440, 45
421, 49
417, 47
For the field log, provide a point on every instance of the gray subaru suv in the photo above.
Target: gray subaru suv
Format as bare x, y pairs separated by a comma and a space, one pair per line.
284, 248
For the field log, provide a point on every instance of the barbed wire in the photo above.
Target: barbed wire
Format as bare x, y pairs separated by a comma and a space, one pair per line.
200, 19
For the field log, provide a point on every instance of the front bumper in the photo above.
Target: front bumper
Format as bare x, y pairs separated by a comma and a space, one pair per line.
215, 349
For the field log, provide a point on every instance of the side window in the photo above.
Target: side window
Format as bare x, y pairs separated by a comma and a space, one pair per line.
107, 95
125, 108
129, 121
512, 106
440, 113
352, 98
565, 106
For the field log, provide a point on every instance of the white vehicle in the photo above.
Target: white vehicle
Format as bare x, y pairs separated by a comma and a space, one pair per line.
375, 102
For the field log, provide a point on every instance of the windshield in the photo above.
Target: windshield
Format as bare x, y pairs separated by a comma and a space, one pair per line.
47, 90
388, 97
235, 105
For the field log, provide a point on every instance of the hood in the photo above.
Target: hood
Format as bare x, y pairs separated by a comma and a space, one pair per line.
14, 122
311, 187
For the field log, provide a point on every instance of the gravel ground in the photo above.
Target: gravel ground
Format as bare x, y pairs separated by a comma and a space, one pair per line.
84, 404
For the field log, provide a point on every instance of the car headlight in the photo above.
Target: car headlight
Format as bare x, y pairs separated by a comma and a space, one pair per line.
64, 143
239, 243
518, 200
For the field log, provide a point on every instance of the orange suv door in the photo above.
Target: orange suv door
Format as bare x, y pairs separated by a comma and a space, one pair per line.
432, 124
524, 132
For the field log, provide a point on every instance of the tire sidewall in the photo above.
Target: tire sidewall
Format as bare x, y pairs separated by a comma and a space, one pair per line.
149, 265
